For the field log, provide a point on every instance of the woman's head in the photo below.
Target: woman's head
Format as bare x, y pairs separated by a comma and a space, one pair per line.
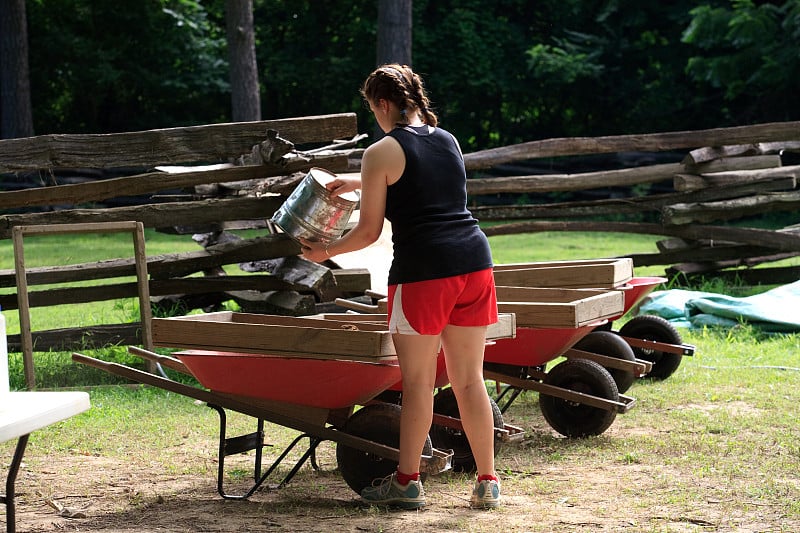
401, 86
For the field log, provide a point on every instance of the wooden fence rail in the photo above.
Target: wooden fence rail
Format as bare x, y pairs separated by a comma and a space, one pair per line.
234, 175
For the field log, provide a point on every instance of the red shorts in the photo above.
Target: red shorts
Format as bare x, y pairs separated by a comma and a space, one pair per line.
426, 307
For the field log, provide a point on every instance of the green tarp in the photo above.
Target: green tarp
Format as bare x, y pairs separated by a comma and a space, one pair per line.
776, 310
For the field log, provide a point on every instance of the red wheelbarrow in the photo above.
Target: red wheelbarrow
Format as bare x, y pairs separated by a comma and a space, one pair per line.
581, 392
315, 393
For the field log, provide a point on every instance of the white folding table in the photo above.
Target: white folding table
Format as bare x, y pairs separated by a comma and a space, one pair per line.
21, 413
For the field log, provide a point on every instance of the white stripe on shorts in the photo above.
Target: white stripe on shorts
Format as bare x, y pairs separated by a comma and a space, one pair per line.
399, 323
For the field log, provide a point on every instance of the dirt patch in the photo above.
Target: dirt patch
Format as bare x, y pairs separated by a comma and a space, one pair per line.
140, 494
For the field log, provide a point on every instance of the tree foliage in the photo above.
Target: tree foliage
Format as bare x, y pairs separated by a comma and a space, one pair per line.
125, 65
748, 55
498, 71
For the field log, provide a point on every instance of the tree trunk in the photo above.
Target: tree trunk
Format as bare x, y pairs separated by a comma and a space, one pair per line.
245, 98
394, 32
16, 116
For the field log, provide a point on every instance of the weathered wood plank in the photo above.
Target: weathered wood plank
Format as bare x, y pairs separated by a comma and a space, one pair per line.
689, 182
352, 280
196, 285
757, 237
627, 206
162, 266
755, 146
574, 182
98, 190
80, 338
746, 276
713, 266
288, 303
734, 163
206, 144
678, 214
716, 253
161, 215
655, 142
306, 276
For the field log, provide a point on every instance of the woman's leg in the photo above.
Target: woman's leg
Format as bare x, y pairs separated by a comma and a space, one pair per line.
417, 356
463, 348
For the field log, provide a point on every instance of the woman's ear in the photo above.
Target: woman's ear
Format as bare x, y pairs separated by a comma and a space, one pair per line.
383, 104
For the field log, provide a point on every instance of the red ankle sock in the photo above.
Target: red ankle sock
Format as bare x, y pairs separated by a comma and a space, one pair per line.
403, 479
487, 477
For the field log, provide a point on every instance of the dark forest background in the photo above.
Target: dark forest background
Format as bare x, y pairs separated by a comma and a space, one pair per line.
499, 71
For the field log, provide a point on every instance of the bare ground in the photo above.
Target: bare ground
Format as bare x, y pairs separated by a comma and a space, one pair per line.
91, 493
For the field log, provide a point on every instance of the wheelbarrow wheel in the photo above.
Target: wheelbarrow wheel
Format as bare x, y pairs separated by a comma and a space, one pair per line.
658, 329
573, 419
611, 345
378, 423
445, 438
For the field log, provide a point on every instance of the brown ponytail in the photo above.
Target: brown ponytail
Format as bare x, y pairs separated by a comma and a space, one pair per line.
401, 86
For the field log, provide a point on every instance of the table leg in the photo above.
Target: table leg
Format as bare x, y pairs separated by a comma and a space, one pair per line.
8, 499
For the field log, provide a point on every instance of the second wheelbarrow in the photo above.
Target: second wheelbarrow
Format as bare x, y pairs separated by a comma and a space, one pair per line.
651, 337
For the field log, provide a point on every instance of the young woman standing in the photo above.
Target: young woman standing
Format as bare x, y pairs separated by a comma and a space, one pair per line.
441, 284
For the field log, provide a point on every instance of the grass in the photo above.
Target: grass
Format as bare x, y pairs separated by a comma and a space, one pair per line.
717, 441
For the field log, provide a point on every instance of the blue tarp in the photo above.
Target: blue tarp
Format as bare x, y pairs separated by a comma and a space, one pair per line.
776, 310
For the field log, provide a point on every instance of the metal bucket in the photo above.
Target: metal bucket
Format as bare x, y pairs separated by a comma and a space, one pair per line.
310, 212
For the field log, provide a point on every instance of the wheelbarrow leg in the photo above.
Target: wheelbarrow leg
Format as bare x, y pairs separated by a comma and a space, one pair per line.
310, 453
232, 446
255, 441
507, 390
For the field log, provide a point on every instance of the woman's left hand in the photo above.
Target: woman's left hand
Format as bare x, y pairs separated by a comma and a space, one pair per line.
313, 251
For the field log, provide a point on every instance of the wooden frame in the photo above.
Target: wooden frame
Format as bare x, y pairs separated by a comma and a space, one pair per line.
581, 274
559, 308
349, 337
140, 257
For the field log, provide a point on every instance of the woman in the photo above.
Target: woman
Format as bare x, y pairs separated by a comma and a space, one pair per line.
441, 285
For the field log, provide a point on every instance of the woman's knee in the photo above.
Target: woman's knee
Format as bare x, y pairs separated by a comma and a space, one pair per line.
468, 386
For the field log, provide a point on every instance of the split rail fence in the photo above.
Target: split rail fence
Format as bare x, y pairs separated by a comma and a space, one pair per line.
204, 180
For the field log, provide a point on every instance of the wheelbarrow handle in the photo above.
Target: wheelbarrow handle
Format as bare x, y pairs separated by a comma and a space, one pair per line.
355, 306
374, 294
167, 361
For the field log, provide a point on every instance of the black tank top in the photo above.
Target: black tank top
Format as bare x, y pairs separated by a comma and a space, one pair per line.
433, 232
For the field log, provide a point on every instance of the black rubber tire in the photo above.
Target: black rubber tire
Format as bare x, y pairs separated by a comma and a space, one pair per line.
390, 396
658, 329
572, 419
444, 438
379, 423
611, 345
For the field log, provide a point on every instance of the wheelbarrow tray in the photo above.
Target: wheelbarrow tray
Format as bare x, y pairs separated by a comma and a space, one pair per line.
636, 290
535, 346
559, 308
324, 383
586, 273
276, 335
504, 328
